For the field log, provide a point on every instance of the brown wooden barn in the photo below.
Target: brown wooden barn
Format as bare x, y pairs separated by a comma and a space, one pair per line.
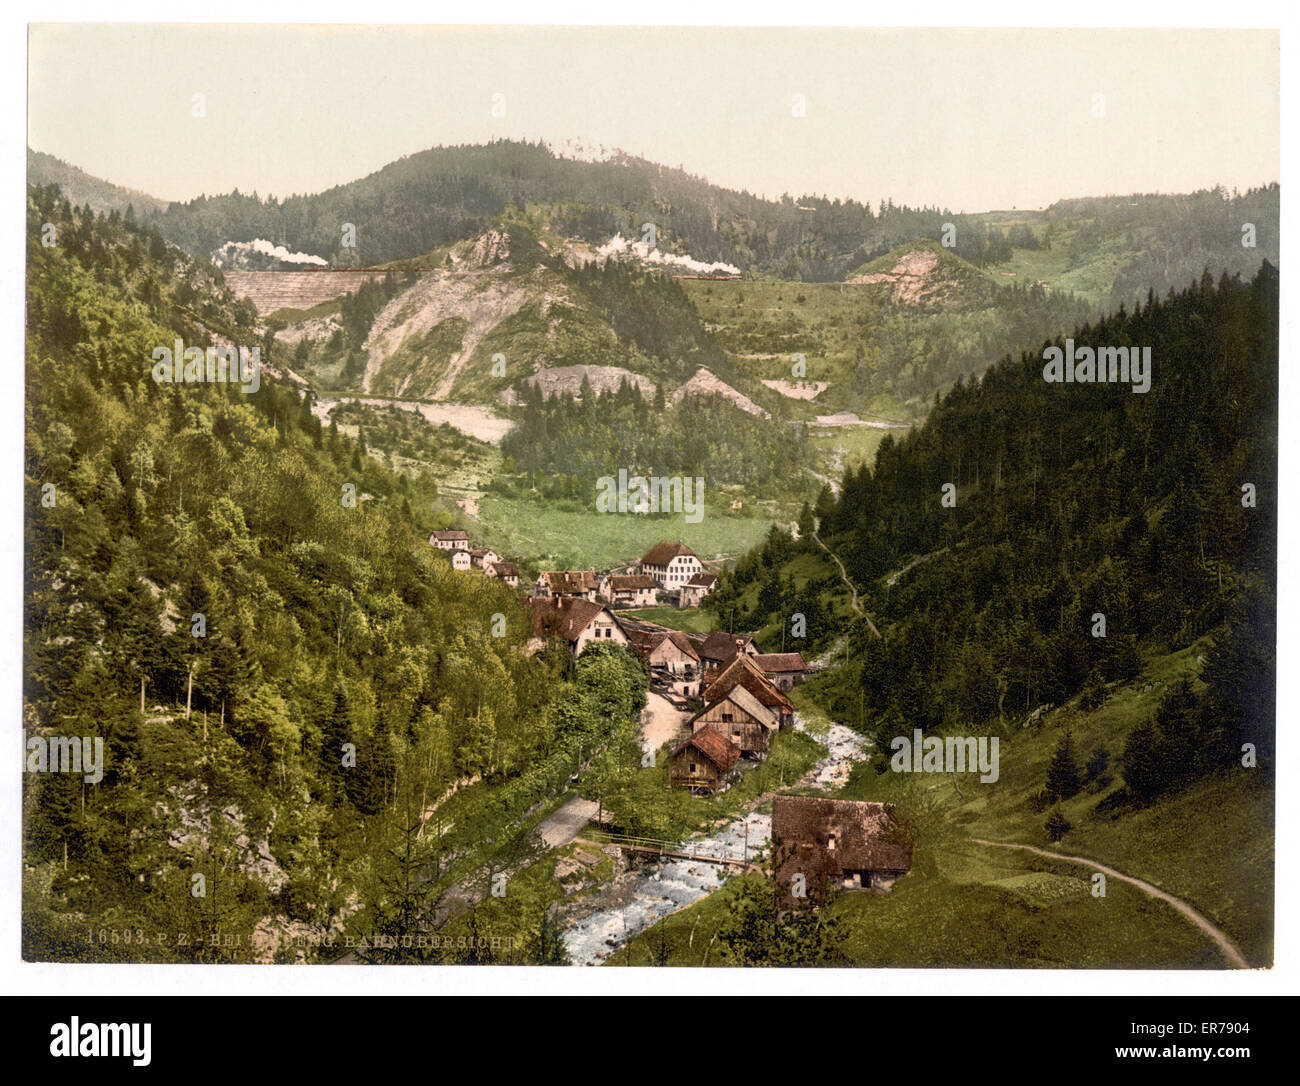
741, 670
834, 843
742, 718
703, 763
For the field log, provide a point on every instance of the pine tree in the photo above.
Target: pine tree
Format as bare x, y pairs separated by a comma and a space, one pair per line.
1145, 772
1063, 771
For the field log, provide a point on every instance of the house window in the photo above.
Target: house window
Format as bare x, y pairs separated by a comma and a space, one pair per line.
830, 843
692, 767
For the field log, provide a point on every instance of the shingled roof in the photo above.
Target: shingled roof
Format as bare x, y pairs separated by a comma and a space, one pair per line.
565, 618
861, 830
448, 536
718, 749
684, 643
720, 645
630, 582
645, 638
748, 703
702, 580
663, 553
575, 582
740, 670
780, 661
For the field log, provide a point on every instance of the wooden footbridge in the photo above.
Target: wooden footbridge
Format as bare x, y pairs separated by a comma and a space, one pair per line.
675, 850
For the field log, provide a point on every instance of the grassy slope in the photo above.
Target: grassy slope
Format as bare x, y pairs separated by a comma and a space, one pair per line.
1211, 845
969, 904
1092, 278
582, 539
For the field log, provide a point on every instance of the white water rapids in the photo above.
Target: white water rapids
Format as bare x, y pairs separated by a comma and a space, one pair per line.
669, 885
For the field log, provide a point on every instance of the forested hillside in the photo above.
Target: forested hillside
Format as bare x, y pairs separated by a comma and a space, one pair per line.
448, 194
574, 441
204, 596
1156, 510
1171, 239
83, 189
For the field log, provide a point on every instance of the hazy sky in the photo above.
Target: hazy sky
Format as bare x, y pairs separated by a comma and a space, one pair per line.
970, 119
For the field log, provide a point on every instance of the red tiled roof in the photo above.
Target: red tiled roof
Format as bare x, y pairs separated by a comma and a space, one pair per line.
702, 580
718, 749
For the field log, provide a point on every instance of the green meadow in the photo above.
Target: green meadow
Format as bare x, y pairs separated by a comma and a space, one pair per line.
562, 536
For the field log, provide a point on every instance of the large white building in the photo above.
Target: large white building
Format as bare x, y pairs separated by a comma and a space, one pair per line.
671, 564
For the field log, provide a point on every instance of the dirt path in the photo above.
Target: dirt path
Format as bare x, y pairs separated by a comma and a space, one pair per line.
565, 824
1221, 941
853, 602
892, 579
660, 722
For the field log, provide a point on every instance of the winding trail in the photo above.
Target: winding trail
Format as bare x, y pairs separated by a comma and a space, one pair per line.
844, 575
1221, 940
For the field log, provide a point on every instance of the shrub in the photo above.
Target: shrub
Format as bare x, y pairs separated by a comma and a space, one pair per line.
1057, 826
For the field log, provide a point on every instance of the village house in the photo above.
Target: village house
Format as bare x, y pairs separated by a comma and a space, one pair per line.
506, 571
741, 718
454, 540
579, 622
482, 557
697, 588
560, 583
786, 669
834, 844
460, 560
669, 654
629, 590
720, 646
742, 671
671, 564
703, 763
